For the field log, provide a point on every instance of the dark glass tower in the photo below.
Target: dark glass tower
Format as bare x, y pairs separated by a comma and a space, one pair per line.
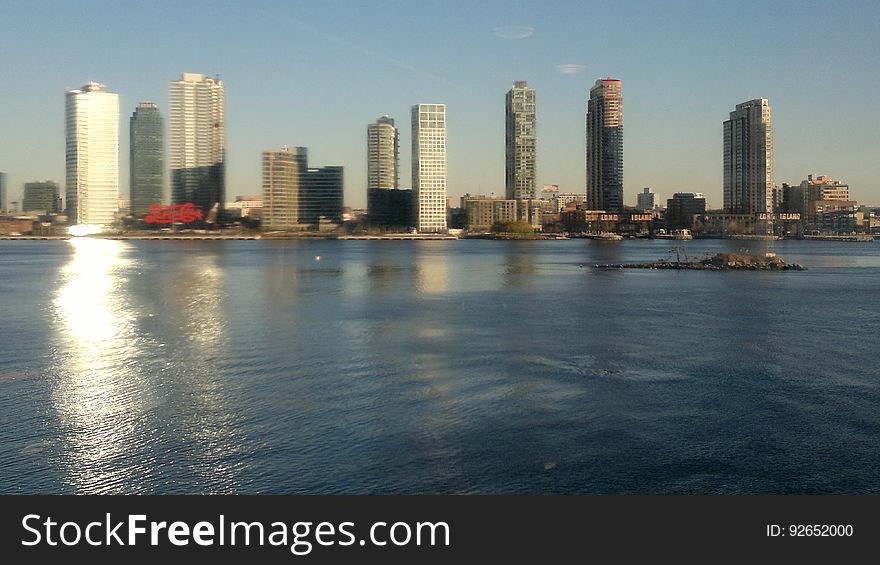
147, 158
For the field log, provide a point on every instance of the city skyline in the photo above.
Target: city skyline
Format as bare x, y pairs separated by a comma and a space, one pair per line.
669, 151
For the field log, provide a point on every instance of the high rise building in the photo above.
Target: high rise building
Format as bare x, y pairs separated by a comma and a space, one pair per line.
197, 135
3, 204
283, 172
645, 200
605, 146
387, 205
383, 154
748, 159
520, 142
429, 166
41, 196
146, 158
92, 150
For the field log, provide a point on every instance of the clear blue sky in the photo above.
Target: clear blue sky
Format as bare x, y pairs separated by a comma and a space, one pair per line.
315, 73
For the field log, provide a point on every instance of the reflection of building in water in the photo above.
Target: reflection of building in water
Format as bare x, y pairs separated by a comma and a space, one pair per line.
433, 271
96, 342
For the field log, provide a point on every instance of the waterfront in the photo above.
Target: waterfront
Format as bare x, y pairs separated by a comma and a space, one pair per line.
435, 367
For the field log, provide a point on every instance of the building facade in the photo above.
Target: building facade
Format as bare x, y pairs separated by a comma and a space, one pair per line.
681, 209
41, 196
748, 159
645, 200
146, 158
197, 141
383, 154
387, 205
283, 174
520, 136
92, 155
429, 166
604, 155
321, 195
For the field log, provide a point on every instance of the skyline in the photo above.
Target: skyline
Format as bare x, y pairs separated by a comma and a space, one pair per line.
467, 60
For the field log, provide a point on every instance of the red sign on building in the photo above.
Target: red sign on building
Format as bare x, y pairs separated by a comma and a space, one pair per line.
184, 213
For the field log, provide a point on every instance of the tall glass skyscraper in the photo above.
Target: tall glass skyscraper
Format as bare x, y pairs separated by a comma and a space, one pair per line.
605, 146
520, 142
146, 158
429, 166
748, 159
197, 135
92, 151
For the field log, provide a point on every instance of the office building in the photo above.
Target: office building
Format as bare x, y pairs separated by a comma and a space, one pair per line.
520, 142
146, 158
748, 159
320, 198
92, 155
197, 141
296, 197
645, 200
605, 146
429, 166
283, 173
41, 196
681, 209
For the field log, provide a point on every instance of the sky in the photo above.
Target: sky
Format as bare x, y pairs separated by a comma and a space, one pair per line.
316, 73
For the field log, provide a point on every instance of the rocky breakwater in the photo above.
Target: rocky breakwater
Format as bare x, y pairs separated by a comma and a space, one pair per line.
718, 262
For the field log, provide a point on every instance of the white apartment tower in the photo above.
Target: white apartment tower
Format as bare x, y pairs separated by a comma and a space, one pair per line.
748, 159
197, 139
429, 166
92, 150
383, 154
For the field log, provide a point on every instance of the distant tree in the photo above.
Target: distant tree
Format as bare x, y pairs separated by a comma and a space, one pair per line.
518, 227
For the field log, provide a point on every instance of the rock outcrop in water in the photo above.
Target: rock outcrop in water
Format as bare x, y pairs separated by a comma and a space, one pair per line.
719, 262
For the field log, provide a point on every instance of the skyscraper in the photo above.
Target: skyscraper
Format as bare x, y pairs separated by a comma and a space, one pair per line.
92, 150
383, 154
41, 196
197, 141
748, 159
429, 166
146, 158
520, 142
282, 174
605, 146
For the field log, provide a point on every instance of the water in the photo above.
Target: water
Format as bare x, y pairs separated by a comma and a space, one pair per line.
435, 367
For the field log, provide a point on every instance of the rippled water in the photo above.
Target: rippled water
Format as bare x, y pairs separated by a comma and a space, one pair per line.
435, 367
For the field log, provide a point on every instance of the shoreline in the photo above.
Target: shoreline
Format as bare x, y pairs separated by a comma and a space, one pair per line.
404, 237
